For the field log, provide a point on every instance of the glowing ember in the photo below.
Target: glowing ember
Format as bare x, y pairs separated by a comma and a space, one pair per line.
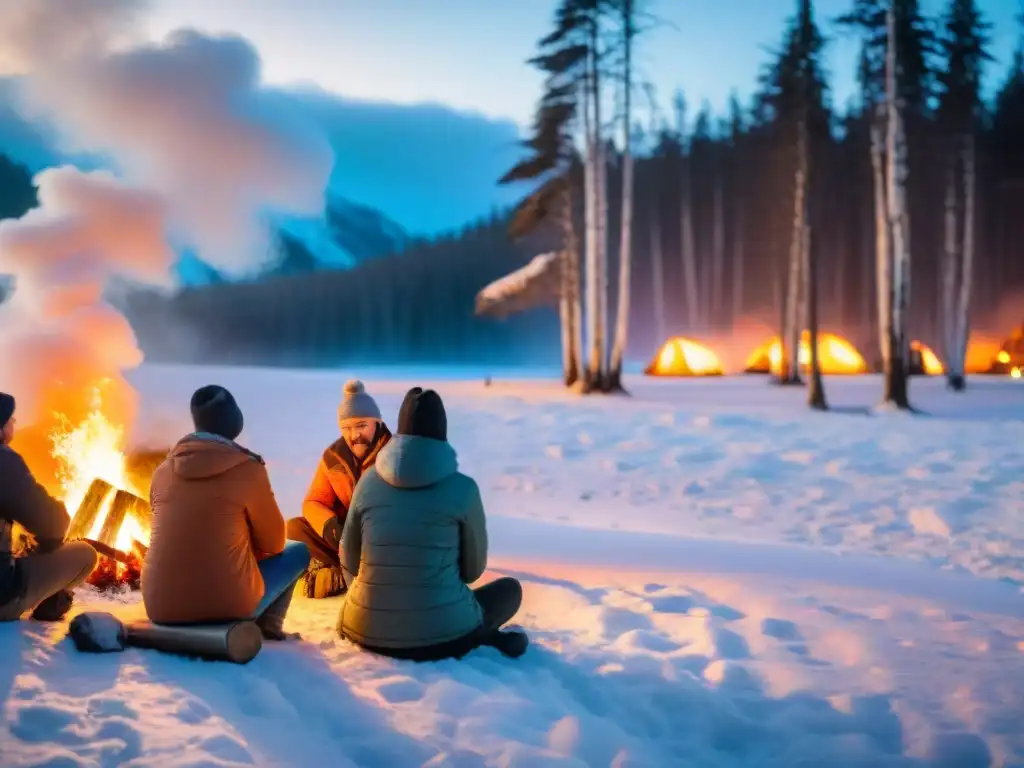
90, 450
1015, 373
683, 357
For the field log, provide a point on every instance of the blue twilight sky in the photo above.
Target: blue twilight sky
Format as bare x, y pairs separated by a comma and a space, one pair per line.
470, 54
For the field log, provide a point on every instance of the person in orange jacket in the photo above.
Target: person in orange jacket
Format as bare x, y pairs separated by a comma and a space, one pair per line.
363, 434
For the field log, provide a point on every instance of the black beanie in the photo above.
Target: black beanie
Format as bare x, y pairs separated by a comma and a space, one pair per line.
214, 410
422, 414
6, 408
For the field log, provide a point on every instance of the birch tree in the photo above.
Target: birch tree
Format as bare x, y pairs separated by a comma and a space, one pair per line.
628, 32
553, 159
896, 391
657, 255
964, 38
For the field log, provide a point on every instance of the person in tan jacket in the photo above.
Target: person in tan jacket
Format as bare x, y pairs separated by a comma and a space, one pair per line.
217, 550
363, 434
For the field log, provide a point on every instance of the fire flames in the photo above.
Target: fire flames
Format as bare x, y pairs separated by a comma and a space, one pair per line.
91, 450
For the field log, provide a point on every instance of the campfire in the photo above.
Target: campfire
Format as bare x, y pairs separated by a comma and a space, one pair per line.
104, 490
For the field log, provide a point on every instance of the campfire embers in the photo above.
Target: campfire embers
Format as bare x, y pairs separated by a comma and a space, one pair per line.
108, 518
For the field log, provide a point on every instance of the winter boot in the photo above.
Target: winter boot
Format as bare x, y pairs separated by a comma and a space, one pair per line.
328, 583
509, 642
55, 607
309, 579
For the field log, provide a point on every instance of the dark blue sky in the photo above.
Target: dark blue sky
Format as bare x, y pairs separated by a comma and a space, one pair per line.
470, 54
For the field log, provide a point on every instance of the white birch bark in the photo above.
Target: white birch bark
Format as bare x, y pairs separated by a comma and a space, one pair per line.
590, 223
883, 256
896, 181
626, 232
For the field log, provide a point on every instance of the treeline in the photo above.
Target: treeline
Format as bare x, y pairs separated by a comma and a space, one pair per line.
414, 307
735, 172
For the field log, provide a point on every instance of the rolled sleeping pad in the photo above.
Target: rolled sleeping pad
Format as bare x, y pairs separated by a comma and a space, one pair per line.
237, 641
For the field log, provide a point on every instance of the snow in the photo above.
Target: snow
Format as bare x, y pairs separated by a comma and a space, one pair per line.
530, 286
713, 576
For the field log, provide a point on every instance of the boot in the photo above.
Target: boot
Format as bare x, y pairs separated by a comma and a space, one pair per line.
309, 579
271, 621
328, 583
55, 607
509, 642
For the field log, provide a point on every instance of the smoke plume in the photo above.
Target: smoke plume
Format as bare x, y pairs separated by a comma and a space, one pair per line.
201, 158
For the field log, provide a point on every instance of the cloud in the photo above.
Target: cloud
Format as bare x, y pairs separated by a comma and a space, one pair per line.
428, 167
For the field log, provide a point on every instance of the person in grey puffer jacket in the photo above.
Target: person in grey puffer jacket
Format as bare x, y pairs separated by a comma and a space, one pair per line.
41, 582
415, 537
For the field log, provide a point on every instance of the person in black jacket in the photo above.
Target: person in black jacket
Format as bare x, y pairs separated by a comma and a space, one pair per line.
42, 581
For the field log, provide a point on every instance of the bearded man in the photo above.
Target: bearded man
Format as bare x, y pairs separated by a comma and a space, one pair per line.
363, 434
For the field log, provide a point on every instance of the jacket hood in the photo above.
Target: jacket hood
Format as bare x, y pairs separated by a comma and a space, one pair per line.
410, 461
201, 455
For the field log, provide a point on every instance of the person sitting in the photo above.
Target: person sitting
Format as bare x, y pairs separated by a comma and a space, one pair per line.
414, 539
363, 434
217, 549
41, 581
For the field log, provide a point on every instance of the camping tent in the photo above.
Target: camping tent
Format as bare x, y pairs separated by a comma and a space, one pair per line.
836, 355
923, 361
684, 357
1010, 358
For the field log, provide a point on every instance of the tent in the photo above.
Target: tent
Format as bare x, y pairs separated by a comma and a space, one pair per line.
923, 361
1010, 358
836, 355
684, 357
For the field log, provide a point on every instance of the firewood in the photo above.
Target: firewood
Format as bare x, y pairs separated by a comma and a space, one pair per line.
88, 510
124, 502
238, 641
143, 513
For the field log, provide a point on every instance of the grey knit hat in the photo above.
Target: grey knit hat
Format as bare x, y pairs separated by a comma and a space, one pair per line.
356, 404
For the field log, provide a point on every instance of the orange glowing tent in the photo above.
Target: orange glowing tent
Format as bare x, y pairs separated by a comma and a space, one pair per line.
684, 357
836, 355
1010, 358
923, 361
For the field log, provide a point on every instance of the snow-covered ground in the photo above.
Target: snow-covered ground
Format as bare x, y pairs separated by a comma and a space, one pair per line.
713, 577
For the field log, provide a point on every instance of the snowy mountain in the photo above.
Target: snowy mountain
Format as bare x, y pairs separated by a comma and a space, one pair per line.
343, 237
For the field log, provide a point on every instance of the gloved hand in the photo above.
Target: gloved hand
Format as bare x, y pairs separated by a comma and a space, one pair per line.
332, 532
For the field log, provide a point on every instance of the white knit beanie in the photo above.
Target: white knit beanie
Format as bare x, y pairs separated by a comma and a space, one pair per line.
356, 404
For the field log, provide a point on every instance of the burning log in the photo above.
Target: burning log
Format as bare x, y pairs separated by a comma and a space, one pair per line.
124, 502
88, 510
238, 642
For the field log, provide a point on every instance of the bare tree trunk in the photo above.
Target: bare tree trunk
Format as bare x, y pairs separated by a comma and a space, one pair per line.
896, 380
867, 258
715, 305
883, 257
963, 310
687, 245
949, 270
737, 263
790, 373
569, 298
657, 274
591, 336
816, 387
626, 234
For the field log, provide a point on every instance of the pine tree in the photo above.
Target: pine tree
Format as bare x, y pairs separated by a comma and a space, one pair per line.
793, 95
